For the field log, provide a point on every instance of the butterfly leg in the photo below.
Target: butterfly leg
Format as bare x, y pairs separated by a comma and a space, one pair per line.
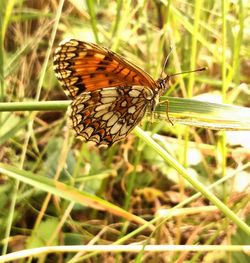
167, 110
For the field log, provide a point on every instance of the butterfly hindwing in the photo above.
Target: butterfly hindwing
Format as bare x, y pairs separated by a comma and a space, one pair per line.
106, 116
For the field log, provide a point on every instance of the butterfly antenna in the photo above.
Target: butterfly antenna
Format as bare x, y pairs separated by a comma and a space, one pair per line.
166, 61
189, 71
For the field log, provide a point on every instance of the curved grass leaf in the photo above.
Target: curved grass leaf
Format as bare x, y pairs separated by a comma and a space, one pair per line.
67, 192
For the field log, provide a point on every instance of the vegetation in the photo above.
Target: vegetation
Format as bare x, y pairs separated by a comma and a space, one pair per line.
181, 184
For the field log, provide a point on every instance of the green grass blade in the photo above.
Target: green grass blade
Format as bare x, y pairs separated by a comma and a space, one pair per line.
205, 114
183, 111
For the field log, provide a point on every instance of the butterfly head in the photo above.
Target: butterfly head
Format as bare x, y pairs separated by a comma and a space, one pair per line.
163, 84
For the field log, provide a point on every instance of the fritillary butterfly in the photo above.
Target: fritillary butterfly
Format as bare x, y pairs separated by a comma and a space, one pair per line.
110, 95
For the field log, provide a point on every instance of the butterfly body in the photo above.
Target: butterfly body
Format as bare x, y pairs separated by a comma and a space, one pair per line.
109, 94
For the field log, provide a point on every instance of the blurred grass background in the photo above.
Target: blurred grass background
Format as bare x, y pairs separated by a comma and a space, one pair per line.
130, 175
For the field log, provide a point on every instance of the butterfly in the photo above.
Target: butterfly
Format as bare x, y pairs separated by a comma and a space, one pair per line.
110, 95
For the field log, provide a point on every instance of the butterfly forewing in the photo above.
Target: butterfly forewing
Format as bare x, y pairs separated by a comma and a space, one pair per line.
82, 66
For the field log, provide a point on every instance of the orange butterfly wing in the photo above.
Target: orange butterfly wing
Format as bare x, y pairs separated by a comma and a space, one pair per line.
82, 66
